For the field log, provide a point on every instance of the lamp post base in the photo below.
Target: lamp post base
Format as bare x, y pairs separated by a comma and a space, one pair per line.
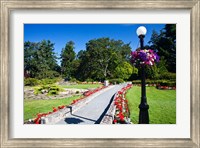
144, 114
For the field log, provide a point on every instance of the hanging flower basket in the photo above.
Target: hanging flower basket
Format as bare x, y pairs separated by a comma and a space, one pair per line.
144, 57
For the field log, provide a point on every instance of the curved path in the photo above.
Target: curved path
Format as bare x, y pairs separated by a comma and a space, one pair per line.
93, 111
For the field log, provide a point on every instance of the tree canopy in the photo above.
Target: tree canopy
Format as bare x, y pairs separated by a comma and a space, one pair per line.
67, 58
40, 60
165, 44
103, 58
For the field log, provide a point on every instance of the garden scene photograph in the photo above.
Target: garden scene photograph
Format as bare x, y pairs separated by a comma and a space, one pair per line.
99, 74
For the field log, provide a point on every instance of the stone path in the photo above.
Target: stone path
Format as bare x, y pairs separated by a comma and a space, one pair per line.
93, 111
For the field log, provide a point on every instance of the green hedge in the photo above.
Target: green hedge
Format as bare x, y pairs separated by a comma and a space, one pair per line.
117, 81
167, 76
170, 83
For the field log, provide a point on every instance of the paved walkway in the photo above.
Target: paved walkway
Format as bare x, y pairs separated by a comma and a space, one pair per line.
93, 111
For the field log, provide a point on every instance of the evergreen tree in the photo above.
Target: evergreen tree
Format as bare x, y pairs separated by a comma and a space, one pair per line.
165, 44
67, 58
40, 59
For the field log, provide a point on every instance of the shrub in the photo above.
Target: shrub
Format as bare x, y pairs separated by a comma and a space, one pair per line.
117, 81
167, 76
31, 82
168, 83
50, 89
48, 81
89, 80
73, 80
136, 82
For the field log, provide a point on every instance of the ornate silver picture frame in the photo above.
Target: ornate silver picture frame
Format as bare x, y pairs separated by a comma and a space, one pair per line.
193, 5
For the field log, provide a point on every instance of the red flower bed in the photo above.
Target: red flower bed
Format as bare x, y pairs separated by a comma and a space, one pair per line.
166, 87
121, 103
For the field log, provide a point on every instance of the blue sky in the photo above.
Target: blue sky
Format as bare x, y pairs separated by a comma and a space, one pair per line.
80, 34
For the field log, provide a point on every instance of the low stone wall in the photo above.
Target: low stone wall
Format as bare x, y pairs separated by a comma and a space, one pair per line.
109, 116
55, 117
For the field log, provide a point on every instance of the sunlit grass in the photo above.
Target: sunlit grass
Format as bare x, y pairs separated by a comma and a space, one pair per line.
32, 107
162, 105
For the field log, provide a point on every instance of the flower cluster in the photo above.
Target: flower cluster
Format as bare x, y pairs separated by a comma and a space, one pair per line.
122, 111
144, 57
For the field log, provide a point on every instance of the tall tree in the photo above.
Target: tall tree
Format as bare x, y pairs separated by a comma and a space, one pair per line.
165, 44
40, 59
67, 58
101, 57
30, 49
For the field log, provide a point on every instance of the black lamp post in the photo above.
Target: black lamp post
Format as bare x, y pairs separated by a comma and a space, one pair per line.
144, 114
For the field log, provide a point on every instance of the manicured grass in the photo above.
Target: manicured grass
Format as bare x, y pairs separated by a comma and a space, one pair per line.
82, 86
32, 107
162, 105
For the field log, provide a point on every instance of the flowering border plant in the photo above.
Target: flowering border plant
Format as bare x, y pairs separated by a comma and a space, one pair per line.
122, 111
144, 57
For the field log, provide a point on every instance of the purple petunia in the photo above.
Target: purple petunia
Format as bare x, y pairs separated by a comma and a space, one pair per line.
144, 57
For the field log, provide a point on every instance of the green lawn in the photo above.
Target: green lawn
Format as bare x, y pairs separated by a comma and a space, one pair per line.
162, 105
82, 86
32, 107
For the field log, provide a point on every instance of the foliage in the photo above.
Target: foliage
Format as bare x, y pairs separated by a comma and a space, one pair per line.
123, 71
168, 76
165, 44
67, 58
101, 57
162, 66
49, 89
89, 80
73, 80
134, 75
31, 82
48, 81
40, 59
162, 105
117, 81
157, 82
168, 83
136, 82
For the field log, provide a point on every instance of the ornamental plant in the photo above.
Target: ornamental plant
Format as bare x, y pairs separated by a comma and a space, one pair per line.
121, 103
144, 57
